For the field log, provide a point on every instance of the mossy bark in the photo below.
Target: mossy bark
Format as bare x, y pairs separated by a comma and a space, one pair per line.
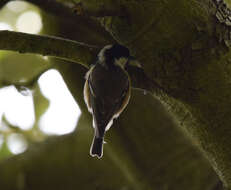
184, 47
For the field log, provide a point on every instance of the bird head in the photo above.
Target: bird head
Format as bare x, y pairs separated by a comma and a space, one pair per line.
115, 54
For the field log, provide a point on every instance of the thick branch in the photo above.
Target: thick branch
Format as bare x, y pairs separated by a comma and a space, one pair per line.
184, 46
68, 50
47, 46
78, 26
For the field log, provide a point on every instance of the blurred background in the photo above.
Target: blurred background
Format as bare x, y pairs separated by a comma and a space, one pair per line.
20, 124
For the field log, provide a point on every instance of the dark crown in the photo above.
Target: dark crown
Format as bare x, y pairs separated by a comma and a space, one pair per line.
116, 51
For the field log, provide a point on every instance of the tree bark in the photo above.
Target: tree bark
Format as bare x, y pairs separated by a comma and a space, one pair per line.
184, 47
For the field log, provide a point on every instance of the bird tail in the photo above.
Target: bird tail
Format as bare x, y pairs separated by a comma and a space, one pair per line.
97, 147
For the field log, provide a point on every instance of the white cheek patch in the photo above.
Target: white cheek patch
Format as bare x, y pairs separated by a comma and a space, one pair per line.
121, 62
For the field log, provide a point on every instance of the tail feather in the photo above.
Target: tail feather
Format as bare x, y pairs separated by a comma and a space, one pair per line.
97, 147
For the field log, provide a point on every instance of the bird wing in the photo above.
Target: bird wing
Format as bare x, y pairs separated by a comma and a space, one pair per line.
105, 112
86, 90
124, 100
86, 94
109, 94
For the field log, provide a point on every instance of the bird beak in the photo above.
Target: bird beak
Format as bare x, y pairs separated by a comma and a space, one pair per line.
133, 61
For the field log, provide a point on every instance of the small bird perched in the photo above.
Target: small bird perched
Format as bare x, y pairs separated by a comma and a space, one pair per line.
107, 91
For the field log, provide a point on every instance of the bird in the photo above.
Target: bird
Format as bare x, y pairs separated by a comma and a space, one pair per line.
107, 91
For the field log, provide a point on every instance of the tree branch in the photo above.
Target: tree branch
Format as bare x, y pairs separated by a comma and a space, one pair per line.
48, 46
68, 50
78, 27
184, 46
